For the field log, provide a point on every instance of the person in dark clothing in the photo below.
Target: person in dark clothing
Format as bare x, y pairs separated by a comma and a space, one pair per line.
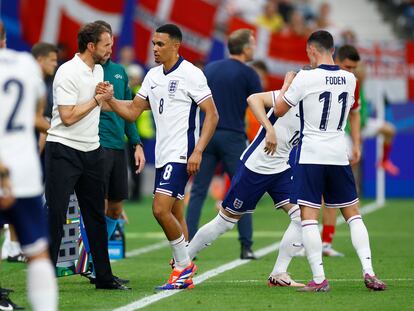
231, 82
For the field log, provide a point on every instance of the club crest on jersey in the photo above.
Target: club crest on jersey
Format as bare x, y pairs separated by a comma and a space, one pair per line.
237, 203
172, 86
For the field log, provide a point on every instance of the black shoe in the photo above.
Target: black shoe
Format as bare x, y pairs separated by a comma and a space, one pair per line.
114, 284
247, 253
5, 301
92, 278
5, 305
15, 306
17, 258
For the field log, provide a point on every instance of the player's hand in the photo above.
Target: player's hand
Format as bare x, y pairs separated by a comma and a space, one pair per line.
270, 141
356, 155
193, 164
290, 75
6, 195
139, 159
101, 87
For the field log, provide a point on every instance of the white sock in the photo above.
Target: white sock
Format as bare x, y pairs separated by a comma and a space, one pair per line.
313, 246
292, 237
41, 285
360, 241
6, 244
210, 232
180, 253
14, 248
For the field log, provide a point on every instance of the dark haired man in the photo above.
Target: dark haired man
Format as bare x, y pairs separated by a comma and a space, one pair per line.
74, 158
112, 130
325, 96
231, 82
46, 55
175, 91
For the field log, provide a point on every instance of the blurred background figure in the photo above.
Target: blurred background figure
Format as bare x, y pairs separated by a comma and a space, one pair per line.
126, 56
146, 130
270, 17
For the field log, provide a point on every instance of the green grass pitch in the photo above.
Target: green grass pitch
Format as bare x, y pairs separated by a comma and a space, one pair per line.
244, 288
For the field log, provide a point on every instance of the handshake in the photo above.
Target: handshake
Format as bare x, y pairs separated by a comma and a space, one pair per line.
104, 92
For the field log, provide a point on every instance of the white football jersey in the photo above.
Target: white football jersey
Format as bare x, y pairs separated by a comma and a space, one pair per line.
174, 98
287, 135
21, 86
324, 96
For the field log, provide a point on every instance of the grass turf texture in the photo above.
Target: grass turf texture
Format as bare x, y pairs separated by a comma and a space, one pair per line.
244, 288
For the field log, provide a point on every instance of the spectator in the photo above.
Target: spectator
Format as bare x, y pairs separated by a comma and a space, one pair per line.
270, 18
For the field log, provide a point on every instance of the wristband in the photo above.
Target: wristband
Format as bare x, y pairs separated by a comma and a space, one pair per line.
96, 101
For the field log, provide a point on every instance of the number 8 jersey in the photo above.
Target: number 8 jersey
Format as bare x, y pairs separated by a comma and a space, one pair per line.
325, 96
174, 97
21, 86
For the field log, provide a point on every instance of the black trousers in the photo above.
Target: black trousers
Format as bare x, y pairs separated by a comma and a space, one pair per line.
68, 169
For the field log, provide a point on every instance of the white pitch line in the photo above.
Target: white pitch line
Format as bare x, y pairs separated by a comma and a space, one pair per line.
330, 280
143, 302
146, 249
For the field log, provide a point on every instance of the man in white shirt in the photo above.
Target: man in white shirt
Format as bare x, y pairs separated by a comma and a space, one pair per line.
22, 96
325, 96
175, 91
74, 159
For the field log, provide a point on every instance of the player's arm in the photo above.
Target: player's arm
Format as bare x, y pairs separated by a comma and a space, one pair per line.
66, 93
6, 194
129, 110
209, 126
281, 106
70, 114
257, 103
41, 124
355, 132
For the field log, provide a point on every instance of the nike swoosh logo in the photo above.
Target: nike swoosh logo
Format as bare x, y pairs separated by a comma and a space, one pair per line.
298, 115
164, 183
297, 245
153, 87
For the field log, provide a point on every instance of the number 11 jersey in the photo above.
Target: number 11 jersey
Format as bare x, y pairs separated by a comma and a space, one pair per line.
325, 96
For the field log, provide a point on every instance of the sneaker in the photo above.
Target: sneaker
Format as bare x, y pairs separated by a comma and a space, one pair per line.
92, 278
14, 306
247, 253
372, 282
282, 279
112, 285
5, 302
328, 251
314, 287
18, 258
178, 278
5, 305
389, 167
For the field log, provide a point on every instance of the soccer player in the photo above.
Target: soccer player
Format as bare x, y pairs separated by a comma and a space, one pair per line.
325, 96
21, 94
175, 91
231, 80
263, 168
347, 58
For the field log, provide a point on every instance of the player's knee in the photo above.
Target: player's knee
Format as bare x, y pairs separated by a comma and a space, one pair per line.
41, 255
